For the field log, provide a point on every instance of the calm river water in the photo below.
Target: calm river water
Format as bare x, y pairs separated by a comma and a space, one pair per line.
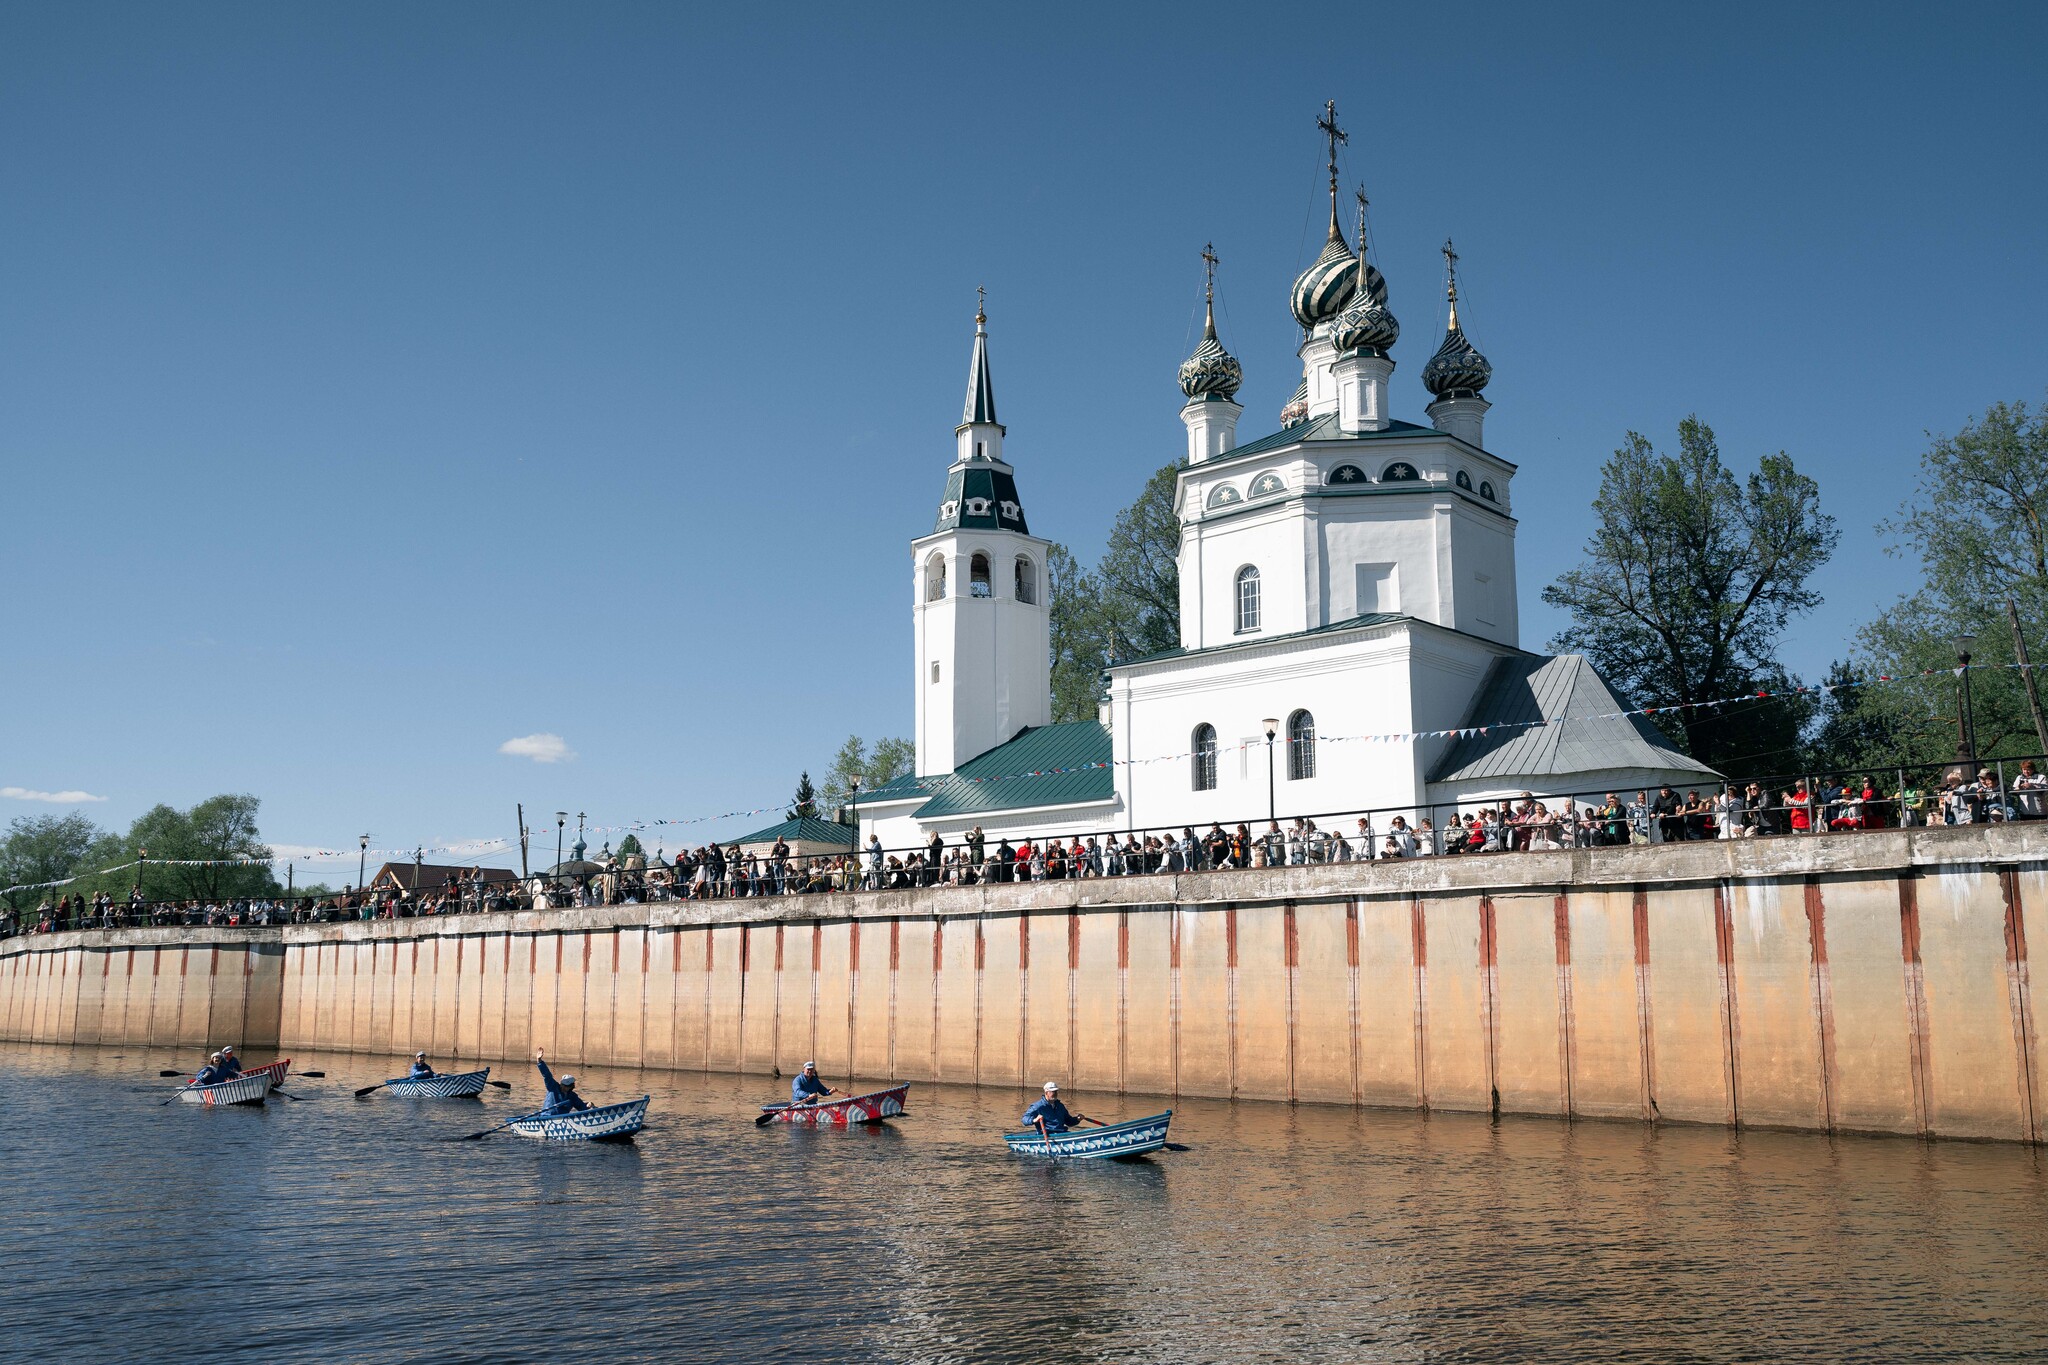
335, 1229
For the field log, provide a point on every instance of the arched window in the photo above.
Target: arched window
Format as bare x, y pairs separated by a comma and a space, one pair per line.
1224, 496
1347, 473
1266, 485
1464, 481
1247, 600
935, 577
1301, 746
1486, 491
1205, 758
977, 576
1399, 472
1027, 580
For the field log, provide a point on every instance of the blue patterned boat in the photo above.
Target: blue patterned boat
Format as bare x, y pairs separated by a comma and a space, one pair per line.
439, 1087
612, 1123
1134, 1138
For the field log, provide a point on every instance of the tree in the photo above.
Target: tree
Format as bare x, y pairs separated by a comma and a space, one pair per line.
45, 848
1688, 583
1977, 525
1078, 655
890, 759
804, 805
1126, 607
1854, 729
630, 847
209, 852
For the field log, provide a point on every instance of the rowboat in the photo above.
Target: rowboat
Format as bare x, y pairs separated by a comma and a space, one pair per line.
1134, 1138
869, 1108
248, 1088
439, 1087
612, 1123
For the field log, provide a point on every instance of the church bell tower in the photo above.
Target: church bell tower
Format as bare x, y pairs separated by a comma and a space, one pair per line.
982, 619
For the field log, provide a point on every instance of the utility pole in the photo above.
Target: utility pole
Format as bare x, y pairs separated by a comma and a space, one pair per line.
521, 807
2019, 653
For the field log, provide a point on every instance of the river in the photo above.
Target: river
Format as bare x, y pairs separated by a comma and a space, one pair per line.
336, 1229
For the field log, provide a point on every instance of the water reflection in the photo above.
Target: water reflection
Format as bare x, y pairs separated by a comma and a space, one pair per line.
345, 1229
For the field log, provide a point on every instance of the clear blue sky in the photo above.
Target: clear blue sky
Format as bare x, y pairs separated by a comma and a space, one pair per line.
382, 382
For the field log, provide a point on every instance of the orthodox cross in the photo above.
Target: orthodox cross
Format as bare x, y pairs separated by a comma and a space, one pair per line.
980, 303
1451, 275
1337, 136
1209, 264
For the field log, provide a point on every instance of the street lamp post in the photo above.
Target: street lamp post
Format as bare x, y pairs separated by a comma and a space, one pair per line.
362, 858
1272, 725
1966, 728
853, 781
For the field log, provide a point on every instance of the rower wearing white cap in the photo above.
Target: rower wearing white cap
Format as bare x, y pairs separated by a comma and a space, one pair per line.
562, 1096
1049, 1116
807, 1088
421, 1071
230, 1065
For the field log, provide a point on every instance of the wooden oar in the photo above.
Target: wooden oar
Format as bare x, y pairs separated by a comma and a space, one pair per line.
181, 1089
472, 1137
770, 1114
310, 1075
502, 1085
368, 1088
1047, 1136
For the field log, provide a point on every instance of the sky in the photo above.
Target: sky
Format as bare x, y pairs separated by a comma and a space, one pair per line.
381, 385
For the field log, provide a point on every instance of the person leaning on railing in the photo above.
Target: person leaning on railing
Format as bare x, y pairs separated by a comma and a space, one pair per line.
2030, 792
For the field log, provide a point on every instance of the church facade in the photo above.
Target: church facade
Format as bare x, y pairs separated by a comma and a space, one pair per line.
1347, 585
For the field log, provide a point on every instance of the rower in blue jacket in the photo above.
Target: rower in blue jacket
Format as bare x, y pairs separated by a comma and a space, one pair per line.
231, 1065
807, 1088
1049, 1116
420, 1070
212, 1073
562, 1096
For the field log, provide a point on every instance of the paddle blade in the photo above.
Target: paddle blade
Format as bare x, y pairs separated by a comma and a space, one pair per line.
368, 1088
170, 1073
471, 1137
767, 1118
1178, 1147
502, 1085
314, 1075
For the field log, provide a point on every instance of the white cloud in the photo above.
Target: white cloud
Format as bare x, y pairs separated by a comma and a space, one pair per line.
542, 748
55, 798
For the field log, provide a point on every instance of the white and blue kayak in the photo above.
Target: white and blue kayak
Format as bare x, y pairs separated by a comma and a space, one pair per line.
439, 1087
612, 1123
1134, 1138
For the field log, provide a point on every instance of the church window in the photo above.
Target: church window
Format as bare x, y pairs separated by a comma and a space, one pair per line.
981, 450
977, 577
1399, 472
1266, 485
1347, 473
935, 671
1464, 481
1486, 491
1301, 746
1027, 580
1224, 496
1247, 600
935, 577
1205, 758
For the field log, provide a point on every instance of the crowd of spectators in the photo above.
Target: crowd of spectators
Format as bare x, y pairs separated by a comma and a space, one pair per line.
714, 871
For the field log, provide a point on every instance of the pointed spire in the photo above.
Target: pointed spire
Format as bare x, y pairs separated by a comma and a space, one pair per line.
980, 409
1211, 371
1337, 137
1457, 370
1209, 291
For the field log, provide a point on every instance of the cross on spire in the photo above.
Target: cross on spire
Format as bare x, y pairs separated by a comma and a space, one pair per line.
1363, 203
1337, 136
980, 305
1209, 262
1451, 276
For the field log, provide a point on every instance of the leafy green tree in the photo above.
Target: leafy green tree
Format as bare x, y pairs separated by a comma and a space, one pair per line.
1078, 653
1126, 607
630, 846
888, 760
220, 827
804, 806
1689, 581
1976, 531
46, 848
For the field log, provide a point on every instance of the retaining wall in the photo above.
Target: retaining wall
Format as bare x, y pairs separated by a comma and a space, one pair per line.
1874, 982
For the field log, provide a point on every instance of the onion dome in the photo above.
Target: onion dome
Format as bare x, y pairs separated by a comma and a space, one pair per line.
1457, 370
1323, 289
1297, 406
1211, 372
1367, 325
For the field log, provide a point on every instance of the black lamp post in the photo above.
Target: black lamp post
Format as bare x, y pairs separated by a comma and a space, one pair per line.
853, 781
561, 821
1966, 723
1272, 804
362, 858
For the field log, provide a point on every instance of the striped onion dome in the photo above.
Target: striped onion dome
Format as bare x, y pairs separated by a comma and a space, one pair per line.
1297, 406
1323, 289
1211, 371
1457, 370
1367, 325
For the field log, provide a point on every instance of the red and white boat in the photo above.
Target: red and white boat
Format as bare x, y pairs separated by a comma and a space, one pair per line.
869, 1108
251, 1087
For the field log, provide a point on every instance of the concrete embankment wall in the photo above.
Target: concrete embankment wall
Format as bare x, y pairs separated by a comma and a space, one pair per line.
1876, 982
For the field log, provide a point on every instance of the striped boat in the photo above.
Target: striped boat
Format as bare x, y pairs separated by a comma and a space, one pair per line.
1135, 1138
613, 1123
439, 1087
251, 1087
869, 1108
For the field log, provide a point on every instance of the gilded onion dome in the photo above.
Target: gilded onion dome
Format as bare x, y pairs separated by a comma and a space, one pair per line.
1297, 407
1211, 372
1322, 290
1366, 325
1457, 370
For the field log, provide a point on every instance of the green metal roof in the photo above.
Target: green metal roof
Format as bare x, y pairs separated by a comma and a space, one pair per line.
899, 788
1047, 765
980, 495
1371, 618
1324, 428
807, 830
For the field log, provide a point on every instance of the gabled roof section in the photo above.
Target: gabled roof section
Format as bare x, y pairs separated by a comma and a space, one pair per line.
1046, 765
1550, 716
1323, 428
1371, 618
805, 830
902, 787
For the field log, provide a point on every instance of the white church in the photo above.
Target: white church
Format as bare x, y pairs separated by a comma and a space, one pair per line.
1349, 575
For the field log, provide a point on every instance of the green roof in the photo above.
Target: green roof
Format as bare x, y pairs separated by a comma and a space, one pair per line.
1046, 765
810, 831
1324, 428
1371, 618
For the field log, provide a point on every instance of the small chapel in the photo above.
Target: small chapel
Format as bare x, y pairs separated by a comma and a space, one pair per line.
1349, 637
